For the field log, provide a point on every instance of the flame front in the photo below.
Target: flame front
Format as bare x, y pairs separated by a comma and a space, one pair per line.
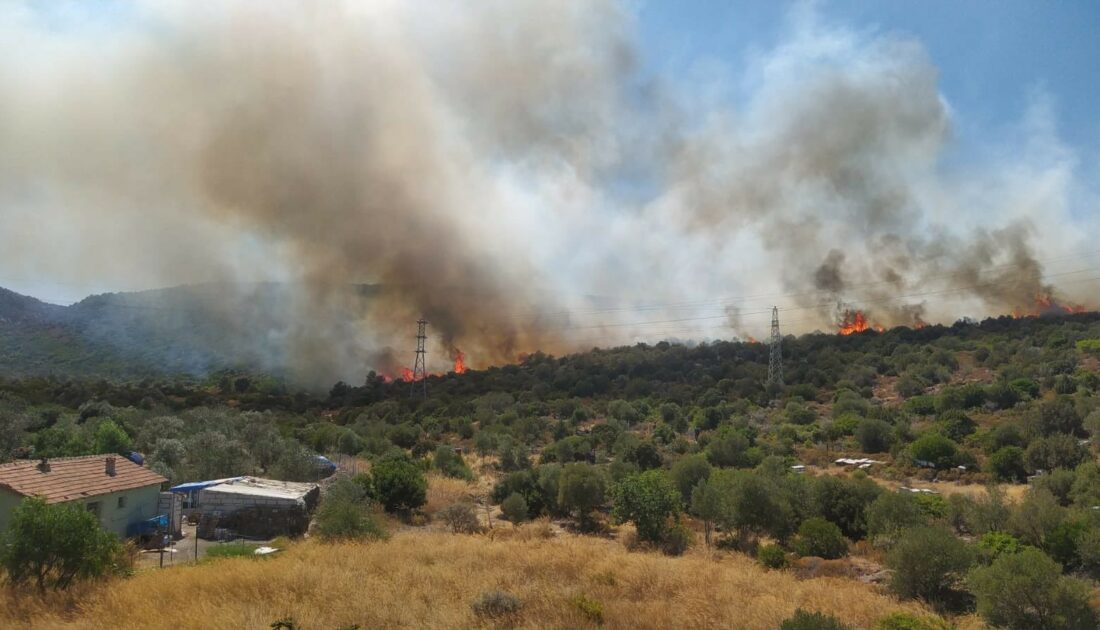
407, 375
460, 361
853, 322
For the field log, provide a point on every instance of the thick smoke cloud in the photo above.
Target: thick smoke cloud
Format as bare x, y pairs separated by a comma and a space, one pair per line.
511, 172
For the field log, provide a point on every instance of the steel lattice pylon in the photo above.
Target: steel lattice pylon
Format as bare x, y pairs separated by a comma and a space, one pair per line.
775, 361
420, 367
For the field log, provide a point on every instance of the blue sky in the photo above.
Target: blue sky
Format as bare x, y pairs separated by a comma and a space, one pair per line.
993, 55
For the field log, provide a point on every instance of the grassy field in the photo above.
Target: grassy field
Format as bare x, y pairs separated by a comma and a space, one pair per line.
428, 580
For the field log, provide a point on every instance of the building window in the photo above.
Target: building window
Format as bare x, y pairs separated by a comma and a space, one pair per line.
93, 507
121, 502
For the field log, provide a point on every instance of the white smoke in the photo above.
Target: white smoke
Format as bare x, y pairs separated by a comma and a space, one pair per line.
509, 170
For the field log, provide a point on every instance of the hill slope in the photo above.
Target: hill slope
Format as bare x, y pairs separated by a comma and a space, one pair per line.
187, 330
428, 580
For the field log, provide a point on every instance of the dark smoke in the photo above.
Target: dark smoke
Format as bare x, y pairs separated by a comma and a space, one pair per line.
488, 166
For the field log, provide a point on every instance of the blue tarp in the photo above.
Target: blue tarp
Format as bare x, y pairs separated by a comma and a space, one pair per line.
136, 457
325, 464
192, 486
148, 526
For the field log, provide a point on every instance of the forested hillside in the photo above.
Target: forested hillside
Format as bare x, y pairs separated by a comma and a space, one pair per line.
975, 444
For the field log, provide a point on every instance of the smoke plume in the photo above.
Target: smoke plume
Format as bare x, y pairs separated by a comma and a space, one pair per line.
510, 171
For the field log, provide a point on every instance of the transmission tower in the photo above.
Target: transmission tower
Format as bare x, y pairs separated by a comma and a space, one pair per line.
420, 367
775, 362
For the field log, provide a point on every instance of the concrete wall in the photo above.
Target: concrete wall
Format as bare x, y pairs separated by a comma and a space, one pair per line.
8, 502
227, 503
139, 504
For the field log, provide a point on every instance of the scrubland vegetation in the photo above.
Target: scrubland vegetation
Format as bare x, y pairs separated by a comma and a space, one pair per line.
432, 580
660, 478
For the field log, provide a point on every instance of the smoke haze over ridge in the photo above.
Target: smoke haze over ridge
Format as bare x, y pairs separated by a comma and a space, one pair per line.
491, 167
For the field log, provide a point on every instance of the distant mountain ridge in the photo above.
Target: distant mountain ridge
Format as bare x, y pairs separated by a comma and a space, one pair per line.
192, 329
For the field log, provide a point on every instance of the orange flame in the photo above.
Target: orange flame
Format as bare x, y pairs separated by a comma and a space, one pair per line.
1047, 304
407, 375
853, 322
460, 361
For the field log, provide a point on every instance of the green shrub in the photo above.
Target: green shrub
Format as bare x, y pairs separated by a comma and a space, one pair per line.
1027, 591
514, 508
1007, 464
923, 405
398, 483
928, 563
906, 621
449, 462
650, 500
772, 556
52, 546
819, 537
891, 513
803, 620
935, 448
1090, 346
496, 604
874, 435
993, 545
345, 514
590, 608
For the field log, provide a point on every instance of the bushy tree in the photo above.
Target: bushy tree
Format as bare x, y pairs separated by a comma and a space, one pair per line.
111, 438
650, 500
1036, 516
581, 489
731, 448
52, 546
1055, 451
344, 513
1027, 591
398, 483
688, 472
1058, 416
844, 501
890, 514
1007, 464
874, 435
935, 448
514, 508
819, 537
928, 563
449, 462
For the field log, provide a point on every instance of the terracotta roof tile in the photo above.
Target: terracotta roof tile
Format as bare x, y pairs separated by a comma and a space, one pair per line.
72, 478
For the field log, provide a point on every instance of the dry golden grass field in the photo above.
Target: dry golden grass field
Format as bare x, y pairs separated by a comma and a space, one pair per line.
421, 579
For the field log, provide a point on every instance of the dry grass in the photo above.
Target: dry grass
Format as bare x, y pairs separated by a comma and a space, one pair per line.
444, 491
428, 580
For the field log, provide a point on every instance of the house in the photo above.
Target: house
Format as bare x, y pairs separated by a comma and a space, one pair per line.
118, 491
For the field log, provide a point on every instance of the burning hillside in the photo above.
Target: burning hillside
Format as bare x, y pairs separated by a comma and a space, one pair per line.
517, 204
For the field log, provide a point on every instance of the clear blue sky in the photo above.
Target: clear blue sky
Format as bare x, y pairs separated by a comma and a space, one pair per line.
993, 55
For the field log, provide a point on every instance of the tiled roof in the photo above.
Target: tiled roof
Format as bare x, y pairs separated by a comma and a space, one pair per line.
72, 478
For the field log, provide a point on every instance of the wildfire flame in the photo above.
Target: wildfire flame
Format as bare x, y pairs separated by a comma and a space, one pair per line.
407, 375
460, 361
1047, 304
853, 322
